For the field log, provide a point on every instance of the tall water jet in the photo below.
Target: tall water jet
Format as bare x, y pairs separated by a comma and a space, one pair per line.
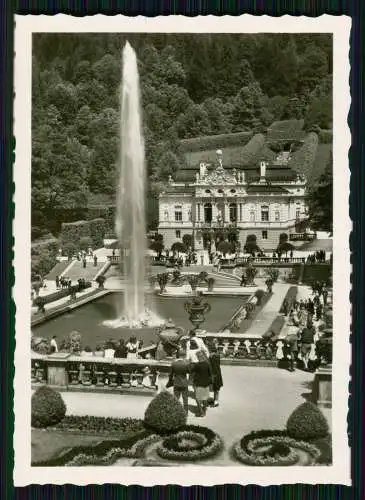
130, 223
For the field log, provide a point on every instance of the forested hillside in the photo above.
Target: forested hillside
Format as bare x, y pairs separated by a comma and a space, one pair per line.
191, 85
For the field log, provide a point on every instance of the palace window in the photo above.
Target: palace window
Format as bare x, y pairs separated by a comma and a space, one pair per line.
233, 191
220, 191
166, 215
297, 213
252, 216
264, 213
233, 212
264, 235
277, 215
198, 211
178, 233
178, 213
208, 191
208, 212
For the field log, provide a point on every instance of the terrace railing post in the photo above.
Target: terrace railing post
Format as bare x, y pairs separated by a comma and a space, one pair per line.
57, 374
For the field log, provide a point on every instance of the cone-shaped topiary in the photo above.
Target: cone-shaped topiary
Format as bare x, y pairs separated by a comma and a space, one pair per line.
48, 407
307, 422
165, 413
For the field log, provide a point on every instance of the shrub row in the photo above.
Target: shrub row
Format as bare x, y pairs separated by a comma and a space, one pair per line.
316, 272
252, 149
290, 298
72, 232
276, 326
303, 159
100, 425
60, 294
214, 142
285, 130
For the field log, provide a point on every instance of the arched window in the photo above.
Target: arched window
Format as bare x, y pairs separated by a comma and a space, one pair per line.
264, 213
233, 212
252, 216
277, 215
208, 212
208, 191
166, 215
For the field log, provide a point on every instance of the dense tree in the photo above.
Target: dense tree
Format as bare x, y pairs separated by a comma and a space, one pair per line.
191, 85
320, 201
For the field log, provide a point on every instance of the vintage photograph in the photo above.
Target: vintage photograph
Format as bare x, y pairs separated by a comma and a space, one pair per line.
181, 249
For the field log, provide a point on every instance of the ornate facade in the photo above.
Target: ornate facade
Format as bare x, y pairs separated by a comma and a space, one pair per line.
265, 200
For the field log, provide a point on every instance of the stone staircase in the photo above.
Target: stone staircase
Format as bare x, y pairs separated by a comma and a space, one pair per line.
88, 273
57, 270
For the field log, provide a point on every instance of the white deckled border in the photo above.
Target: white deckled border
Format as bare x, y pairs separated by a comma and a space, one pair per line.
339, 472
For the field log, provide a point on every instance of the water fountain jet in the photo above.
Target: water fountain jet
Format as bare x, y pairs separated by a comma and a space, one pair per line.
130, 224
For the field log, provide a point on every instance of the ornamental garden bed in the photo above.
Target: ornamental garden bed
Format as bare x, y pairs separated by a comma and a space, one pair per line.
305, 441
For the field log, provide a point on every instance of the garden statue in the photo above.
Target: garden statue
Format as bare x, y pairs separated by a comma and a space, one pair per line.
251, 272
196, 309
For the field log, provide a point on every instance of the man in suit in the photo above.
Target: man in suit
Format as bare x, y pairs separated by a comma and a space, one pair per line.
179, 378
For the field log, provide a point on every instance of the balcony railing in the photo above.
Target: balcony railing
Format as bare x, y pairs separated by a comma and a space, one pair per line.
302, 236
70, 372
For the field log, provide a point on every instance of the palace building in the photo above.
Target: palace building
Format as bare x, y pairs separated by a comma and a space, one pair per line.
264, 200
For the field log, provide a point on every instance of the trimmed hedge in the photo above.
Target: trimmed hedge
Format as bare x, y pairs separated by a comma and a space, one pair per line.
165, 414
303, 159
60, 294
316, 272
48, 407
290, 298
276, 326
307, 422
72, 232
214, 142
251, 151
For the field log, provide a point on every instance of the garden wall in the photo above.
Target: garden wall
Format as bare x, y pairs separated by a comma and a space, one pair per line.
72, 232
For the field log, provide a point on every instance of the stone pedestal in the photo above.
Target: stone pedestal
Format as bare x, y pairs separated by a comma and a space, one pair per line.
57, 372
322, 387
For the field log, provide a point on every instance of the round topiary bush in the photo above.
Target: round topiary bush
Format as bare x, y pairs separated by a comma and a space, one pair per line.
48, 407
165, 414
307, 422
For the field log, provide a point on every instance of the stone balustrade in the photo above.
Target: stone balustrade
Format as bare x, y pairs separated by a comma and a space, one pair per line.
70, 372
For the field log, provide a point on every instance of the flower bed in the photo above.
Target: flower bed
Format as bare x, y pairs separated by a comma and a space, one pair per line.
99, 425
190, 444
104, 453
272, 448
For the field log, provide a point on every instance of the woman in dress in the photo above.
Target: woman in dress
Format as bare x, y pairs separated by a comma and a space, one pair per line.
132, 348
202, 376
217, 381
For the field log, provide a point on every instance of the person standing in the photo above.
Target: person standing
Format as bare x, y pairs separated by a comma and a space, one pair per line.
217, 380
243, 279
54, 345
121, 350
95, 260
202, 376
194, 345
292, 344
132, 348
307, 339
178, 379
57, 282
84, 262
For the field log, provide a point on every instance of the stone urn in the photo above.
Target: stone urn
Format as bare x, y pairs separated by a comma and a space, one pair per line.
196, 309
169, 335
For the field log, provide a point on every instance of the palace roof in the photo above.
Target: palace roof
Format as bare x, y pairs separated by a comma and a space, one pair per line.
274, 172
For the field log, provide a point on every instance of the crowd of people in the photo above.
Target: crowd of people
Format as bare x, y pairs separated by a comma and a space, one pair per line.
318, 256
303, 328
